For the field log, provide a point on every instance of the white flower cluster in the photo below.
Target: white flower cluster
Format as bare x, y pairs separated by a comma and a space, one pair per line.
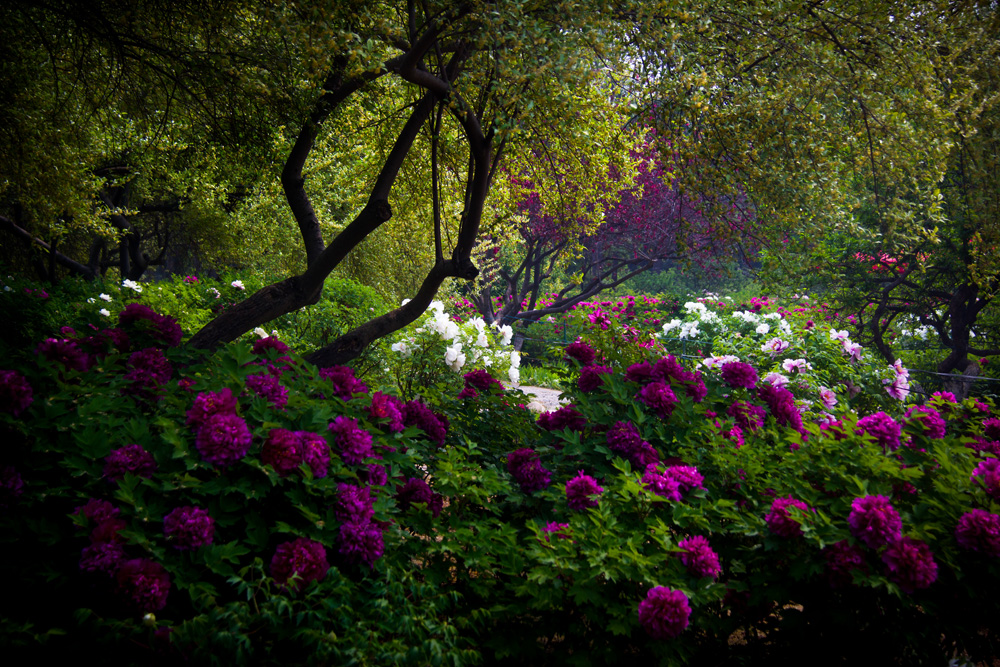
472, 343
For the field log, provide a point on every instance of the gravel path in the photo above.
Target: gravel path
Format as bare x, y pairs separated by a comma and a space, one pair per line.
548, 399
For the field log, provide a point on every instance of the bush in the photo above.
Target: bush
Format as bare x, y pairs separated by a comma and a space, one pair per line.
163, 504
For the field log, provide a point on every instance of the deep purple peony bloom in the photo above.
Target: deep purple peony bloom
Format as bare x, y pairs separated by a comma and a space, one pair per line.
65, 352
979, 530
665, 613
582, 492
223, 440
148, 370
687, 477
302, 557
354, 503
911, 564
355, 444
345, 385
129, 459
315, 453
874, 521
388, 409
883, 428
591, 377
739, 374
624, 440
434, 425
660, 484
554, 529
658, 396
931, 422
581, 352
189, 527
105, 557
283, 451
781, 403
698, 557
268, 387
481, 380
841, 559
11, 485
565, 417
361, 543
143, 584
376, 475
780, 521
988, 474
416, 490
641, 372
748, 417
262, 345
991, 428
210, 403
526, 469
97, 510
163, 328
15, 393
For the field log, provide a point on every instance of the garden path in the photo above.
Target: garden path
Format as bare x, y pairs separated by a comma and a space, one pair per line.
548, 398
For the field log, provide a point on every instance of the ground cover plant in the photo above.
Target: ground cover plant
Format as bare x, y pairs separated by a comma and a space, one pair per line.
164, 503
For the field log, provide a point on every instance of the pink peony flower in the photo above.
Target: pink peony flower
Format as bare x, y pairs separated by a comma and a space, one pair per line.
665, 613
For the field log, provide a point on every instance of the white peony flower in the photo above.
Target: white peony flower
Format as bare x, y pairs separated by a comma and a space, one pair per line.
260, 332
105, 312
238, 284
514, 374
132, 285
104, 297
515, 359
454, 357
762, 328
508, 333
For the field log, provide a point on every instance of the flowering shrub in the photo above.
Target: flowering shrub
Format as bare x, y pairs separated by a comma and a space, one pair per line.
667, 513
437, 349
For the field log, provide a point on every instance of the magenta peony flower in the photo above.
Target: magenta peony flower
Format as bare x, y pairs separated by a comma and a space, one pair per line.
581, 352
641, 372
560, 530
15, 393
780, 521
283, 451
262, 345
315, 453
526, 469
660, 484
361, 543
65, 352
143, 584
223, 439
582, 492
658, 396
129, 459
882, 427
481, 380
565, 417
748, 417
103, 557
911, 564
874, 521
189, 527
148, 370
211, 403
665, 613
376, 475
107, 531
781, 402
988, 474
991, 428
699, 558
687, 477
416, 490
979, 530
303, 557
739, 374
929, 420
387, 408
162, 328
434, 425
355, 444
345, 385
841, 559
354, 503
97, 510
591, 377
624, 440
268, 387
